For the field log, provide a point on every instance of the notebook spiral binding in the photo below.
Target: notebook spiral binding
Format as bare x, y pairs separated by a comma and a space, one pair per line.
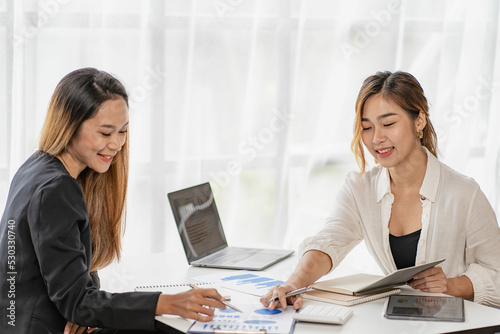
179, 285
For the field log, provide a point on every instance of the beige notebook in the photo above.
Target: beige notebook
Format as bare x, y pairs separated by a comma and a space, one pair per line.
361, 284
348, 300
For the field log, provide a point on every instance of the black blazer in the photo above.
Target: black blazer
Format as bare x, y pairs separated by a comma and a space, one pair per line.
45, 258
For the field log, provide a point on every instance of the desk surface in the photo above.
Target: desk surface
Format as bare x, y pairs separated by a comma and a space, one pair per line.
367, 317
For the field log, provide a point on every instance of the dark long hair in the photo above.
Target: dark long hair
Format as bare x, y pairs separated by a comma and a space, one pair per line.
77, 98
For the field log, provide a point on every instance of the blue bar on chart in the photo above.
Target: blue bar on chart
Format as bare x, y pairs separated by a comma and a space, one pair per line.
248, 282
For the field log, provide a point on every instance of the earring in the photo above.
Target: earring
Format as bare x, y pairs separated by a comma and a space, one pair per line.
420, 134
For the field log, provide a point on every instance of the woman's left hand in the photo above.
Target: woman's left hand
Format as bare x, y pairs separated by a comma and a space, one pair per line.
430, 280
71, 328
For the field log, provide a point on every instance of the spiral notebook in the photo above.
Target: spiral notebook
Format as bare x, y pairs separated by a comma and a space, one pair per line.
348, 300
173, 288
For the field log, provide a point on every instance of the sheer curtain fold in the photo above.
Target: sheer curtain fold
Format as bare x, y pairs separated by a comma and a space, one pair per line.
18, 35
468, 135
256, 97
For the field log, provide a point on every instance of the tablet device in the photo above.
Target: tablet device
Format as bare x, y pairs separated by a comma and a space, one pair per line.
431, 308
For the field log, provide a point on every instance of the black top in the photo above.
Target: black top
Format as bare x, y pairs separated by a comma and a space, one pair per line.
45, 258
404, 249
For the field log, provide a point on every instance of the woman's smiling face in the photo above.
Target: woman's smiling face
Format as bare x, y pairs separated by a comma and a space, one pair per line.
388, 133
99, 138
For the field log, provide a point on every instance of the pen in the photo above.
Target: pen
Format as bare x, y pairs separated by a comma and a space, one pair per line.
193, 286
291, 294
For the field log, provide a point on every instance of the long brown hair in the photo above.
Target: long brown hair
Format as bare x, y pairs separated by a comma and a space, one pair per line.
403, 89
78, 97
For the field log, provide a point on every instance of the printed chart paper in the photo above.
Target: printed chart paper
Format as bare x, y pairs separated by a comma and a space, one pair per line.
254, 317
244, 281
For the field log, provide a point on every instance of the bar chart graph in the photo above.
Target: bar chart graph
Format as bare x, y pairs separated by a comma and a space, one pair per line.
249, 282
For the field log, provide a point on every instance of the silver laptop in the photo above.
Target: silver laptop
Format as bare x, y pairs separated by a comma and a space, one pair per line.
203, 238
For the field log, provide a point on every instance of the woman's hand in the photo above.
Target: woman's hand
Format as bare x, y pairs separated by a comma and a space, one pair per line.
430, 280
71, 328
435, 280
197, 304
280, 291
311, 267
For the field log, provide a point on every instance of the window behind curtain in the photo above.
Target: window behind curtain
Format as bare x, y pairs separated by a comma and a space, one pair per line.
256, 97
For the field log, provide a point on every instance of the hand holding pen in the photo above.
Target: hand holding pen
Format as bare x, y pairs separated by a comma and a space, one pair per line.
272, 298
291, 294
193, 286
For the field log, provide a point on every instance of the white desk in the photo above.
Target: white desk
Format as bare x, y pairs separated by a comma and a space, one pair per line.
367, 318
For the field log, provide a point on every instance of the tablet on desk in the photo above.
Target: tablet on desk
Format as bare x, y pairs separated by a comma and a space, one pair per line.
430, 308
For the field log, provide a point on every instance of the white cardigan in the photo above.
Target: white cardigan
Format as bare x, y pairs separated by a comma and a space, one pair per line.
458, 224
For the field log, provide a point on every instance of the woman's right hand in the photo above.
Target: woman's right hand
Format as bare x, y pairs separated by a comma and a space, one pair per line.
313, 265
72, 328
280, 291
197, 304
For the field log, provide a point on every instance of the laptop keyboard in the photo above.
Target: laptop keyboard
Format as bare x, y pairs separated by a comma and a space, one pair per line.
230, 256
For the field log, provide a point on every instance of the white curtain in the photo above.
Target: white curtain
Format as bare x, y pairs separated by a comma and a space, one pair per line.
254, 96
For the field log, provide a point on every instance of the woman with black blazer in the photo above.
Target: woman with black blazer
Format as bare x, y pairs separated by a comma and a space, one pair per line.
63, 222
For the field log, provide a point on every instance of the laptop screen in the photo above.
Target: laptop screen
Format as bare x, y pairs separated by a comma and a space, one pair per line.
198, 221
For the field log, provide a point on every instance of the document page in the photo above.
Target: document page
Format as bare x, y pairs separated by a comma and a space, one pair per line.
254, 317
250, 282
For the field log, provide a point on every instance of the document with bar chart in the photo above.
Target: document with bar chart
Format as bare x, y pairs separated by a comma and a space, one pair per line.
254, 318
244, 281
